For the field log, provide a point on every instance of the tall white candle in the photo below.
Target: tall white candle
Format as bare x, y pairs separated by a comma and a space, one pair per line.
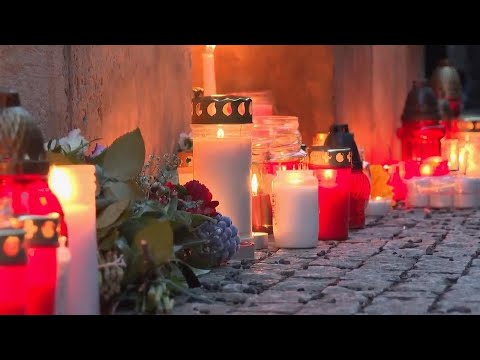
74, 186
223, 164
295, 209
209, 80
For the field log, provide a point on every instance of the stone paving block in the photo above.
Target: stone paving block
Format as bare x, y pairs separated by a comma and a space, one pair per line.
372, 274
320, 272
283, 308
260, 278
372, 286
420, 281
203, 309
338, 262
432, 264
302, 284
390, 306
459, 307
275, 297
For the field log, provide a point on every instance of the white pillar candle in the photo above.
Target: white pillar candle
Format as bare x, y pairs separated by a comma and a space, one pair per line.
74, 186
418, 192
223, 156
378, 207
441, 195
209, 81
466, 190
63, 265
295, 209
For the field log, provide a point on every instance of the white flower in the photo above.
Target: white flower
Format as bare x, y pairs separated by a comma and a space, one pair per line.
69, 143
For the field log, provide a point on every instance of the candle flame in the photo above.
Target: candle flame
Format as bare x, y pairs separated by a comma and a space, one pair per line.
378, 198
254, 185
220, 133
209, 49
426, 170
60, 182
328, 174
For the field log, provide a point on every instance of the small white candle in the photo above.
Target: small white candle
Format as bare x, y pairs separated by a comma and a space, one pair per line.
441, 195
295, 209
378, 207
466, 190
260, 240
209, 81
74, 186
418, 195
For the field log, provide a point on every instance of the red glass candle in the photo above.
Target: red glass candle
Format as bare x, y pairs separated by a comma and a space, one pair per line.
333, 170
31, 195
41, 238
359, 196
13, 261
421, 139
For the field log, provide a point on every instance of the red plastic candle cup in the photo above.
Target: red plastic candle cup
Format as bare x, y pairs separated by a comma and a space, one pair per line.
41, 240
359, 196
13, 267
30, 194
333, 170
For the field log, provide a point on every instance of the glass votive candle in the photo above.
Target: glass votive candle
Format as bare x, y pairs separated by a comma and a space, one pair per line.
441, 195
418, 194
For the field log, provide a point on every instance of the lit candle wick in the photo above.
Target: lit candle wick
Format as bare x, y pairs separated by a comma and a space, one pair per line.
220, 134
209, 49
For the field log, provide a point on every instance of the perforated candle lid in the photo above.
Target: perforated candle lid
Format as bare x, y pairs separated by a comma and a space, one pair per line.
221, 109
331, 158
469, 122
41, 230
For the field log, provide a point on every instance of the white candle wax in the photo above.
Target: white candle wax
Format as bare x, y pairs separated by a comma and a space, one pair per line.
378, 207
63, 267
418, 192
223, 165
295, 210
441, 195
74, 186
209, 81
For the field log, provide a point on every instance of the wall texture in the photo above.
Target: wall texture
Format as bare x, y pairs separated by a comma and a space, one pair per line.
300, 78
38, 72
105, 90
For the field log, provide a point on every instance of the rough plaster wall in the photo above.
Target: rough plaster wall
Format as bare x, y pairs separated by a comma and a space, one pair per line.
37, 72
300, 77
115, 88
371, 83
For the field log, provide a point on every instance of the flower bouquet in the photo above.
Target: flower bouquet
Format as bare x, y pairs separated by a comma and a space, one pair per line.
154, 236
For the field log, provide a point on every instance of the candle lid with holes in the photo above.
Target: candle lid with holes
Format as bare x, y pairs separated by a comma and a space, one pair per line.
221, 109
41, 230
11, 247
330, 158
197, 92
21, 141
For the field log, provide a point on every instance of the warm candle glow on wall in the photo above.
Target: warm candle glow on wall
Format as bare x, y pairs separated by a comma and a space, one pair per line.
209, 81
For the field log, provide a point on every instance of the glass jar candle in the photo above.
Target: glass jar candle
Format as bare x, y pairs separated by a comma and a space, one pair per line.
465, 192
441, 192
276, 145
221, 128
295, 209
75, 186
262, 102
332, 168
418, 194
13, 270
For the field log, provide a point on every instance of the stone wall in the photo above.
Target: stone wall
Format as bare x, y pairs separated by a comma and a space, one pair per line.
105, 90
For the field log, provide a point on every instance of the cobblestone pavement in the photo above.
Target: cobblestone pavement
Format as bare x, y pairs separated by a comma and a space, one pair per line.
409, 262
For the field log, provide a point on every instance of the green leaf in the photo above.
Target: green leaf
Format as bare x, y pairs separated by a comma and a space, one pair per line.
122, 190
124, 159
58, 159
150, 208
111, 214
172, 206
159, 238
188, 274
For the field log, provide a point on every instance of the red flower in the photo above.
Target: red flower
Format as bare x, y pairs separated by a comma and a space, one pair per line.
199, 192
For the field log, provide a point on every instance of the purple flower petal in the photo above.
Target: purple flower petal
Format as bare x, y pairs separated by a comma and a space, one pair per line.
99, 148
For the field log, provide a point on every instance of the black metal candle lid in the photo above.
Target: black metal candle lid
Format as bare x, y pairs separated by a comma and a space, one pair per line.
221, 109
331, 158
421, 103
340, 137
11, 247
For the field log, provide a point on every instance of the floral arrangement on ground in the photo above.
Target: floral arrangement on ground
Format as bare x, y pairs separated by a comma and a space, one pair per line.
155, 236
